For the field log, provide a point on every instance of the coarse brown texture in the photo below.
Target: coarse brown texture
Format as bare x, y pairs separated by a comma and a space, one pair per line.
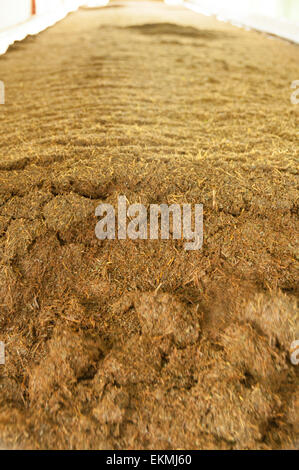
141, 344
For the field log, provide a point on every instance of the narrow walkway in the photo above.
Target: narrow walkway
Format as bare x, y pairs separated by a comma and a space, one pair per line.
141, 344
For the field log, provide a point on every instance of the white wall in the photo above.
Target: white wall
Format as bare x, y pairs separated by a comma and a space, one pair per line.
16, 12
279, 9
14, 16
46, 6
278, 17
13, 12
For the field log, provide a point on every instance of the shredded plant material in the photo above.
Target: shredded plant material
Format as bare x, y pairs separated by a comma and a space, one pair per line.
140, 344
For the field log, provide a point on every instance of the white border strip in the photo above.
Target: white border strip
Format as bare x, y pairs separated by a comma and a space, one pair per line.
38, 23
276, 27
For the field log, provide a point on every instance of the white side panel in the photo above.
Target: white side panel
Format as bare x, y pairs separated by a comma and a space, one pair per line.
14, 12
278, 17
